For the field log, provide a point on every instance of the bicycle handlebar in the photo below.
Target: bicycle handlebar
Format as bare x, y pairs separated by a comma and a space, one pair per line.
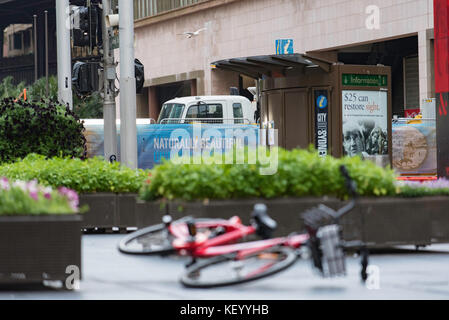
351, 185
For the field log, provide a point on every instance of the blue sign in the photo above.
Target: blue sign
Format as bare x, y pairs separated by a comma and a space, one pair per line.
321, 102
284, 46
156, 142
322, 122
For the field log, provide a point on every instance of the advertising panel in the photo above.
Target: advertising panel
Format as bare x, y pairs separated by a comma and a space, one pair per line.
365, 125
321, 122
156, 142
415, 148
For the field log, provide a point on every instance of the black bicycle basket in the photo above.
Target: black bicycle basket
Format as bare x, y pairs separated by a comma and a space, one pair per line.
327, 252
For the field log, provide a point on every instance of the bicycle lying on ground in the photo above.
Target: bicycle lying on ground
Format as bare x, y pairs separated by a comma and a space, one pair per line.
230, 263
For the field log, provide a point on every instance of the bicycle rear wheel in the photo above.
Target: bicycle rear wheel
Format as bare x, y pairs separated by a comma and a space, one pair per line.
155, 240
229, 270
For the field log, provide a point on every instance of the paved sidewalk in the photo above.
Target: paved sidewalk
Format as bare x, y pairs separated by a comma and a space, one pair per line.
108, 274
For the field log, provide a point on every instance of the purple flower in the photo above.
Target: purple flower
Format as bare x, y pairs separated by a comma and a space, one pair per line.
4, 184
47, 192
71, 195
442, 183
34, 195
32, 187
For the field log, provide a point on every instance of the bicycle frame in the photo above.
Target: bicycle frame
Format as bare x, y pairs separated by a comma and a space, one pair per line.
203, 247
244, 249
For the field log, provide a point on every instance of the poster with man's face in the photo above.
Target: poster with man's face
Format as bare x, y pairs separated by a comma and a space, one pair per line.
365, 125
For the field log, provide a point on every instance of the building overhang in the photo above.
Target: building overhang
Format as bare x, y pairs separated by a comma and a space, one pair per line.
271, 65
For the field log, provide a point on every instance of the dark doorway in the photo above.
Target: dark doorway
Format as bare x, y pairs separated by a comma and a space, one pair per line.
163, 93
396, 54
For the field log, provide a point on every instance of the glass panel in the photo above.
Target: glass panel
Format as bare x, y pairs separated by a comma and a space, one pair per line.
238, 112
171, 111
166, 109
176, 112
206, 111
192, 113
147, 8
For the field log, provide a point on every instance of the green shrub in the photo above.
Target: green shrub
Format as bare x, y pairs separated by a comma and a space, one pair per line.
45, 128
90, 107
9, 90
38, 90
300, 173
88, 176
29, 198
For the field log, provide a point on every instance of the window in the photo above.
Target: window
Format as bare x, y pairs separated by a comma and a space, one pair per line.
192, 113
238, 113
148, 8
27, 39
17, 41
171, 111
206, 111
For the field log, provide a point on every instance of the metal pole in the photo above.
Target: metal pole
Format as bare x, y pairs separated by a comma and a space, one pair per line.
89, 6
46, 53
65, 95
35, 48
128, 130
109, 75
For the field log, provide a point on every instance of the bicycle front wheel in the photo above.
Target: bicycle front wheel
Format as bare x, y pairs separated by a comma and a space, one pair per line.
229, 270
155, 240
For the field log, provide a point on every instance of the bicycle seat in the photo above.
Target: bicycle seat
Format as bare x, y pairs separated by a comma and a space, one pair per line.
319, 216
265, 225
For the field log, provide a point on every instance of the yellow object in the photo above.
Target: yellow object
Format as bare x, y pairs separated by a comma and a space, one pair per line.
416, 120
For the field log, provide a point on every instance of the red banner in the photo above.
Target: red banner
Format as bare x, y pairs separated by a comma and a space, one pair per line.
411, 113
441, 27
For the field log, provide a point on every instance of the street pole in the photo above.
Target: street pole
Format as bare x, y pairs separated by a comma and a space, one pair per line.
46, 54
35, 47
65, 95
109, 107
128, 130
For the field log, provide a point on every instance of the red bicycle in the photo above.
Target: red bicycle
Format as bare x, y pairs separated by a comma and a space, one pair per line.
228, 263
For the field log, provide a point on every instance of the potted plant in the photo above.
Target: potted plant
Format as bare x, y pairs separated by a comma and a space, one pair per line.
383, 216
40, 236
108, 189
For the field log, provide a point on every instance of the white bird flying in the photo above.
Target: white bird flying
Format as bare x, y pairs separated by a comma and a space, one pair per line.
192, 34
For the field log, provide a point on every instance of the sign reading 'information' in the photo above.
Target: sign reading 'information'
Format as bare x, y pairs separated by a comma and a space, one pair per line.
365, 80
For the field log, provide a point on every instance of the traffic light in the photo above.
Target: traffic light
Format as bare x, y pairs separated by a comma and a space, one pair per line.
85, 26
140, 75
85, 78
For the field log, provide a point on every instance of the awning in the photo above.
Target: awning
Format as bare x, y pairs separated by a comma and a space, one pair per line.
269, 65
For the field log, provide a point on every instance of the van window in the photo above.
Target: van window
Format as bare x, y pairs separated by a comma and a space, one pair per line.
206, 111
171, 111
238, 112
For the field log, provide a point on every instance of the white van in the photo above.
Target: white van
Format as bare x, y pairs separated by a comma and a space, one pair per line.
208, 109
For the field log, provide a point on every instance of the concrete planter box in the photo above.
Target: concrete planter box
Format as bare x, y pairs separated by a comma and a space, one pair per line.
38, 248
151, 213
102, 210
378, 221
109, 210
126, 215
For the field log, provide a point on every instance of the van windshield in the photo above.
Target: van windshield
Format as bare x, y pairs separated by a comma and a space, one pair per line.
171, 111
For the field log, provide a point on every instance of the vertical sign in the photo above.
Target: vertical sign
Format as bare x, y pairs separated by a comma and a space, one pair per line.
322, 121
284, 46
441, 23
